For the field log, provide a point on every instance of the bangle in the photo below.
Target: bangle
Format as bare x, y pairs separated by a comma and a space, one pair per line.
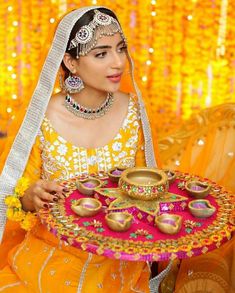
15, 211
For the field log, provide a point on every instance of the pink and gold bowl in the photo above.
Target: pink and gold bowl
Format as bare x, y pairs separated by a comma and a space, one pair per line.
144, 183
197, 189
86, 207
88, 186
169, 223
115, 173
201, 208
118, 221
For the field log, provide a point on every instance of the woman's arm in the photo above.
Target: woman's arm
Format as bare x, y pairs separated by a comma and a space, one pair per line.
40, 192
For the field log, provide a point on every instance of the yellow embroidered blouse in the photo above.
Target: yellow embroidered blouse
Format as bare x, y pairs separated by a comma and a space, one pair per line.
62, 160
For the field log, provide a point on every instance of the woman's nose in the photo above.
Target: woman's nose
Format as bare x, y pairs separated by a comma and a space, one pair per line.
117, 60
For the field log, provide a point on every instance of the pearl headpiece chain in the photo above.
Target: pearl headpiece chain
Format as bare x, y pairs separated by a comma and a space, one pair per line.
87, 36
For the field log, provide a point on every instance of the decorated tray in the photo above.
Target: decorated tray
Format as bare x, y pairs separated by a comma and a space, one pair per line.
176, 224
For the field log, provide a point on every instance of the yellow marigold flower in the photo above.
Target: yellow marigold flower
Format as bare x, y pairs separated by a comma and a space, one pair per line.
22, 185
15, 214
29, 221
18, 215
13, 201
10, 214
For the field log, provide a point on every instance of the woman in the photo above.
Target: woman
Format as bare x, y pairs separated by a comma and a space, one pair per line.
89, 127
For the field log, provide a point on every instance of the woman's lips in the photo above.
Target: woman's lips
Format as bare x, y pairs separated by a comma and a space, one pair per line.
115, 78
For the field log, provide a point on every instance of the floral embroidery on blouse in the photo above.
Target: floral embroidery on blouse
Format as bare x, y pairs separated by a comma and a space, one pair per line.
62, 160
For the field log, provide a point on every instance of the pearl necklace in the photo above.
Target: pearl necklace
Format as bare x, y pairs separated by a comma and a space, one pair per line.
88, 113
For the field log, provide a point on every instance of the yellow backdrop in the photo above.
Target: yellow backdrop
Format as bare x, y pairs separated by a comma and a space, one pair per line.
184, 51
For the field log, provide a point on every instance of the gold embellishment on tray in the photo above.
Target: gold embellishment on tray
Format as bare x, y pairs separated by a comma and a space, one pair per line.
171, 175
144, 183
123, 201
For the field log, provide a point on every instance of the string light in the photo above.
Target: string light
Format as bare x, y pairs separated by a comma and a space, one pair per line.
188, 69
9, 110
57, 90
144, 78
15, 23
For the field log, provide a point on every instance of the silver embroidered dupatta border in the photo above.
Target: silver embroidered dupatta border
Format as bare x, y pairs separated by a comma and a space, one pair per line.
25, 138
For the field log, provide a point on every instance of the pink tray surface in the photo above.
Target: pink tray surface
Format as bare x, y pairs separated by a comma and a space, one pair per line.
144, 241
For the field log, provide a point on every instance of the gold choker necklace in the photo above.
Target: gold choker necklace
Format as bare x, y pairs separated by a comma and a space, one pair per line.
87, 113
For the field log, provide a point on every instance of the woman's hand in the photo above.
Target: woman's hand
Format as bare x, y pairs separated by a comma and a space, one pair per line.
39, 194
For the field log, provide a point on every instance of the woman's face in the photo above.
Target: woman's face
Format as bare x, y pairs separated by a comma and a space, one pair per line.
103, 66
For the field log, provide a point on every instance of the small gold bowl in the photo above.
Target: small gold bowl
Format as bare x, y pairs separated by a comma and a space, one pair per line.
88, 185
169, 223
144, 183
115, 173
170, 175
197, 189
119, 221
201, 208
86, 207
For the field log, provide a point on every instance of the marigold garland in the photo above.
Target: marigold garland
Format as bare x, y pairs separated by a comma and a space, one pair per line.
14, 206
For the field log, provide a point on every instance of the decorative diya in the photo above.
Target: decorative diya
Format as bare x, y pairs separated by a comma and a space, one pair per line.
168, 223
115, 173
88, 185
86, 207
170, 175
197, 189
201, 208
118, 221
144, 183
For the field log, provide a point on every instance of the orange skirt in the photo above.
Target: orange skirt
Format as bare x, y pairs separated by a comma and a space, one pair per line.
213, 272
41, 264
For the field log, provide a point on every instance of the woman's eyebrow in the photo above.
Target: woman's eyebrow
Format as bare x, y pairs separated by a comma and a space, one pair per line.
107, 46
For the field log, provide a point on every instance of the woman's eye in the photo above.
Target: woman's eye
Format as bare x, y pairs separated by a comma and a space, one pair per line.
123, 48
100, 55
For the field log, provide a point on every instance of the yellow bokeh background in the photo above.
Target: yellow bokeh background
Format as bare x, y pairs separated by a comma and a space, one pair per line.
184, 51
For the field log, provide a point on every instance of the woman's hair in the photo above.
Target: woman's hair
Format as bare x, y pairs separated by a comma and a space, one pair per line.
84, 20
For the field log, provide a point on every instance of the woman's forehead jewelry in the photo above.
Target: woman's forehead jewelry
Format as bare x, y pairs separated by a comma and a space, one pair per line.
88, 113
101, 25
